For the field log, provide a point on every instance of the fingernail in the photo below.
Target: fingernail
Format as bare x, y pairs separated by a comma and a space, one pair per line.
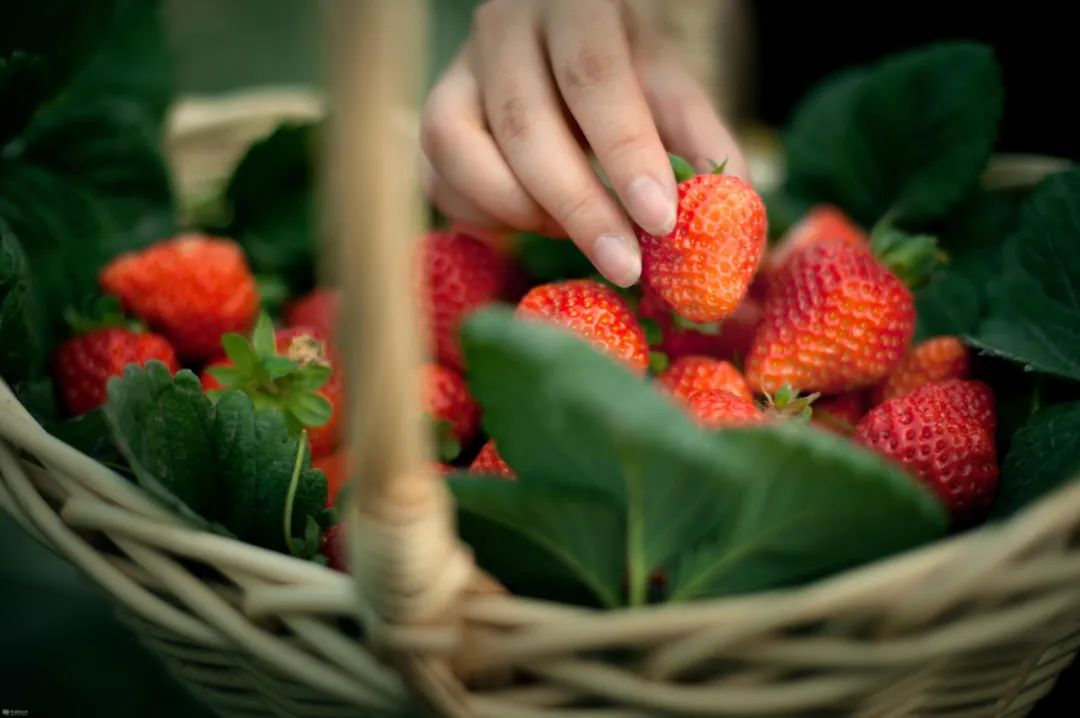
651, 205
618, 258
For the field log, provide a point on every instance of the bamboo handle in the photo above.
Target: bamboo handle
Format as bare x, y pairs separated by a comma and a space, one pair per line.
410, 569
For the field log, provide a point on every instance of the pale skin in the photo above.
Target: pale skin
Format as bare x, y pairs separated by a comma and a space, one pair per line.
539, 84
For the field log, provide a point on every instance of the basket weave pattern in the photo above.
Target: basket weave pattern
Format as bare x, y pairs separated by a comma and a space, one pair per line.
979, 625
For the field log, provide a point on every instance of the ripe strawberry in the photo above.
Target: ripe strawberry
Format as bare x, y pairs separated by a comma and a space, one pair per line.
935, 359
703, 267
460, 274
335, 547
318, 310
84, 364
940, 433
835, 320
489, 462
821, 224
446, 399
691, 374
840, 414
731, 340
716, 408
191, 289
333, 466
313, 370
593, 310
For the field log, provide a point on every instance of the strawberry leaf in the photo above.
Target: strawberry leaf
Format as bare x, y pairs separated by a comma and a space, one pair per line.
256, 457
906, 138
239, 351
948, 305
1045, 454
543, 540
163, 425
310, 410
262, 338
22, 322
569, 419
310, 377
277, 367
1034, 305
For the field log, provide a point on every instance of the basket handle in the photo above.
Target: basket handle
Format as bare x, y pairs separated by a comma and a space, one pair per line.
405, 554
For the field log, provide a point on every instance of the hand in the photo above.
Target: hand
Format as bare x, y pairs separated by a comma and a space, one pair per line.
502, 130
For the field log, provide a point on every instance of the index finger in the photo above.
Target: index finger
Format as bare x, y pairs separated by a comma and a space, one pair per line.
591, 60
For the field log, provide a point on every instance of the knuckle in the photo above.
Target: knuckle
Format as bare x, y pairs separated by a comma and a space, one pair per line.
512, 117
589, 68
436, 130
489, 15
627, 143
573, 208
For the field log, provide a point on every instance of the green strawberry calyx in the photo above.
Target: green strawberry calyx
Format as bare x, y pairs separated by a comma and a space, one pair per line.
100, 312
788, 404
288, 383
912, 257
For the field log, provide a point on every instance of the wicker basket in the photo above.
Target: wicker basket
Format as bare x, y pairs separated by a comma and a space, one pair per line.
977, 625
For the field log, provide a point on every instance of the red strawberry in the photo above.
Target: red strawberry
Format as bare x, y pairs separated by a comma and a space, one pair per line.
488, 461
446, 398
703, 267
191, 289
333, 466
840, 414
716, 408
821, 224
318, 309
691, 374
731, 341
935, 359
940, 433
304, 346
835, 320
593, 310
460, 274
336, 547
83, 364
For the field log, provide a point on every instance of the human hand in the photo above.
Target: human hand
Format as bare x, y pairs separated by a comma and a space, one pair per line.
503, 129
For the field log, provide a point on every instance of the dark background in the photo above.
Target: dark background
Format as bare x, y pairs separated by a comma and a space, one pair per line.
61, 651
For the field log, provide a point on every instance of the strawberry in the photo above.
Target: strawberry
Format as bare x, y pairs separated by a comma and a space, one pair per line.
333, 467
318, 310
335, 547
716, 408
447, 401
593, 310
489, 462
935, 359
731, 340
835, 320
84, 364
293, 370
691, 374
460, 274
942, 433
703, 267
841, 413
821, 224
191, 289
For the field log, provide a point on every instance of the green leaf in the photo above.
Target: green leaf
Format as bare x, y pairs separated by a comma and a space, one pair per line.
273, 207
228, 376
1034, 315
277, 366
906, 138
22, 321
811, 504
1045, 455
240, 352
310, 377
543, 540
568, 417
683, 170
163, 426
948, 305
262, 338
255, 454
310, 410
548, 260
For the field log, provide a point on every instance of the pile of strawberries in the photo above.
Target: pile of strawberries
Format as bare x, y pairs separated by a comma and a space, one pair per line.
730, 330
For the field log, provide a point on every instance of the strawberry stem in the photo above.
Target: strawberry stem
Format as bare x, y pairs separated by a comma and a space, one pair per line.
294, 483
